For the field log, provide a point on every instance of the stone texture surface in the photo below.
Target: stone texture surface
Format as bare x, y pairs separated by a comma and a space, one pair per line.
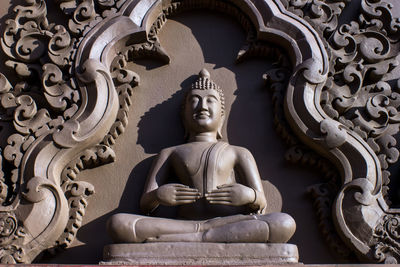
354, 122
119, 185
196, 37
200, 254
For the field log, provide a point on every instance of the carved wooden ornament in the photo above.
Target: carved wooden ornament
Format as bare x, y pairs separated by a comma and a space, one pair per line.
336, 98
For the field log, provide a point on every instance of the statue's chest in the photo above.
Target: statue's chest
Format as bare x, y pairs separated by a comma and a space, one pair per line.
203, 166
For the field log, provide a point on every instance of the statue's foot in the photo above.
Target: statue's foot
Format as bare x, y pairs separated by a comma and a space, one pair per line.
282, 226
247, 231
185, 237
272, 228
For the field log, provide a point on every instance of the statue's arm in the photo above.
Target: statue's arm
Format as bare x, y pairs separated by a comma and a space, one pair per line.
157, 176
247, 168
159, 192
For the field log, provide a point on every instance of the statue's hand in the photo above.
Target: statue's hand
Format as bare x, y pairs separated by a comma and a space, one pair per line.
231, 194
176, 194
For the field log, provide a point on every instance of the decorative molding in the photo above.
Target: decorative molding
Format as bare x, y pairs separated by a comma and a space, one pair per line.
361, 96
324, 193
72, 95
323, 15
60, 114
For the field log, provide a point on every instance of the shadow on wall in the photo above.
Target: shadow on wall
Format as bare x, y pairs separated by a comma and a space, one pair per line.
249, 124
158, 128
161, 126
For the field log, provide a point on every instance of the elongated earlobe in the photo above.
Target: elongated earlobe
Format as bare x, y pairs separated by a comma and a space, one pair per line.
219, 132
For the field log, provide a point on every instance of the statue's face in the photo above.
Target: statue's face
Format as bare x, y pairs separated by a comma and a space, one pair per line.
203, 111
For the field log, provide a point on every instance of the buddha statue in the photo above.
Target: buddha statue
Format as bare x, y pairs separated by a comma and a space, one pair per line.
216, 186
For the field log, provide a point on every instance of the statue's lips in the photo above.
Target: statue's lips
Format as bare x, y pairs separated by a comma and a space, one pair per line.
202, 115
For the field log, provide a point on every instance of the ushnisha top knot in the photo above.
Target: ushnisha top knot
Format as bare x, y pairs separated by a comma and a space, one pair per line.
204, 73
204, 81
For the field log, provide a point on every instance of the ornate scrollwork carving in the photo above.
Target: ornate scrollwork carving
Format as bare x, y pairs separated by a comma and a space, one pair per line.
362, 95
47, 102
8, 226
387, 247
83, 12
359, 93
323, 15
77, 194
89, 158
324, 193
61, 126
40, 49
11, 238
83, 15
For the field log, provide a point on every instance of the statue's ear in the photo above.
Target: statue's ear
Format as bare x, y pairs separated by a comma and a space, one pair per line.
185, 128
186, 135
219, 132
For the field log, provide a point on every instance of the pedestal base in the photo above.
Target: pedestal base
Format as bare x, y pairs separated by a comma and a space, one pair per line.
185, 253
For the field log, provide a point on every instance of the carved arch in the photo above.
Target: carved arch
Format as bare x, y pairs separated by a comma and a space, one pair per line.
48, 150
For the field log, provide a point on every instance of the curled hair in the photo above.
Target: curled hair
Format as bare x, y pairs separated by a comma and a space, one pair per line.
205, 83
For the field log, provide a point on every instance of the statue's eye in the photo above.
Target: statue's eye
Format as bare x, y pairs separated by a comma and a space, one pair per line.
211, 100
193, 100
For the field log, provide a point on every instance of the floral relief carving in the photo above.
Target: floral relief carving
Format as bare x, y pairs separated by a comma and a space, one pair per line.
65, 70
386, 235
322, 15
46, 96
323, 194
11, 237
362, 94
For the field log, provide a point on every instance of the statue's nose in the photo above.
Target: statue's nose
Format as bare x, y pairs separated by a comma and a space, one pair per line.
203, 104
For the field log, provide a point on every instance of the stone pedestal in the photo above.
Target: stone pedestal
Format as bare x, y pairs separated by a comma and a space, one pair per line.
184, 253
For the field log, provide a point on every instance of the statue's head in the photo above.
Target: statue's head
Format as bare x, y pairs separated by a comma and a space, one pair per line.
204, 107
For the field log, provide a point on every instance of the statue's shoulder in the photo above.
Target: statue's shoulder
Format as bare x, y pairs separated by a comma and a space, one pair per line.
170, 150
238, 150
166, 152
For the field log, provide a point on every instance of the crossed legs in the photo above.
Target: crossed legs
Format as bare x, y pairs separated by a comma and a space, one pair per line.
273, 228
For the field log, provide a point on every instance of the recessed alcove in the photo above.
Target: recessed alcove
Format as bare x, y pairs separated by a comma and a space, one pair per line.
196, 40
